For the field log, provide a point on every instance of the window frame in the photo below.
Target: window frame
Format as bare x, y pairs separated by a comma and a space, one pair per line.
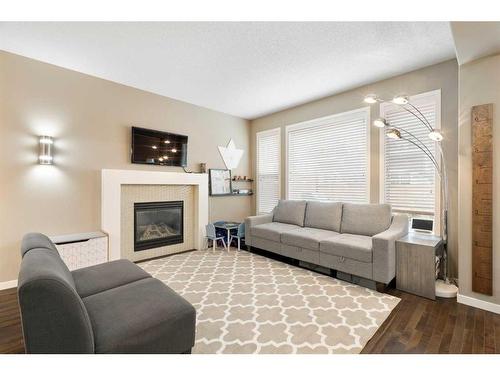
383, 108
257, 158
365, 111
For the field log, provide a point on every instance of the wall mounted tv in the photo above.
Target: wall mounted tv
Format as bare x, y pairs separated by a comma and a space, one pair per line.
158, 148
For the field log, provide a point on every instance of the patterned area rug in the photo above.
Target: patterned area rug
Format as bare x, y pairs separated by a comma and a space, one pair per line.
247, 303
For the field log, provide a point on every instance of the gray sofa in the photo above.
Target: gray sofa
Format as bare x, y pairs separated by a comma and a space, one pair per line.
114, 307
358, 239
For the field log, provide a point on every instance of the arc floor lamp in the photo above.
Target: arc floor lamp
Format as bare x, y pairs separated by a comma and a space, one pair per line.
444, 288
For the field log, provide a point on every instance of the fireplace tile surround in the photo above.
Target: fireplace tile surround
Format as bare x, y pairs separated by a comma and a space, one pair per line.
133, 194
120, 189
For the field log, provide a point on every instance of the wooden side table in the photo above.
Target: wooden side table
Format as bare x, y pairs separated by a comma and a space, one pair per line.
416, 263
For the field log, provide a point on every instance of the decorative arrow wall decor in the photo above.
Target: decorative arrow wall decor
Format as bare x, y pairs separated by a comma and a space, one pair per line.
231, 155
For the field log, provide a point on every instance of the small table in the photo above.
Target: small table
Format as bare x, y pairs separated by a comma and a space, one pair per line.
229, 226
416, 263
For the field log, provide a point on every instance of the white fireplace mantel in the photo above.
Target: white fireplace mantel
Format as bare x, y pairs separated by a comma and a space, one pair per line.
113, 179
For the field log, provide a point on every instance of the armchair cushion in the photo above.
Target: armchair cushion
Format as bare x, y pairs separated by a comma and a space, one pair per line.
353, 246
272, 231
365, 219
323, 215
36, 241
290, 212
306, 238
142, 317
54, 318
101, 277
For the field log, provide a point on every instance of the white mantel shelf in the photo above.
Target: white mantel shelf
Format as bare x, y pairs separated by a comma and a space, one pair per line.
113, 179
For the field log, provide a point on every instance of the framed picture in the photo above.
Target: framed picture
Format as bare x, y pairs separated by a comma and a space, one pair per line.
220, 182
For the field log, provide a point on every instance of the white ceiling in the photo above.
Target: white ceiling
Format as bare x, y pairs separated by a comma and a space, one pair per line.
474, 40
244, 69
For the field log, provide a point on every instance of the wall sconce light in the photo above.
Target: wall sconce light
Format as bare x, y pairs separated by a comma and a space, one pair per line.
45, 150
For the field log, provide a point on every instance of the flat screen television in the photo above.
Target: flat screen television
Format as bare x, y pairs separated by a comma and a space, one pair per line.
158, 148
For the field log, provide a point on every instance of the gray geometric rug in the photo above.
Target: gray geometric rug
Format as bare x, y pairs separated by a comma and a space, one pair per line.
247, 303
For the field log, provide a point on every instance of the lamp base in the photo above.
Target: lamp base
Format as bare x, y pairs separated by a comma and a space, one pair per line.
445, 289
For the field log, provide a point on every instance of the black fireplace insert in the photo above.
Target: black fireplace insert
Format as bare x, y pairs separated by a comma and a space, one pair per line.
158, 224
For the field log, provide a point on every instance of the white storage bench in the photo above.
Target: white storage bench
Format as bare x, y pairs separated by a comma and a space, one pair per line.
82, 249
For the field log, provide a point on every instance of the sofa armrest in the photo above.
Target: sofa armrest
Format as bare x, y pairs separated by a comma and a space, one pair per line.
252, 221
384, 249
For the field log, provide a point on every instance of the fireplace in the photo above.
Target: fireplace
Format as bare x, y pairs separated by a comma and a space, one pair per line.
158, 224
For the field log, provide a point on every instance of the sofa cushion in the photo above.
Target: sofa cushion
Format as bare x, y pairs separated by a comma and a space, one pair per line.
272, 231
365, 219
323, 215
307, 238
101, 277
142, 317
290, 212
352, 246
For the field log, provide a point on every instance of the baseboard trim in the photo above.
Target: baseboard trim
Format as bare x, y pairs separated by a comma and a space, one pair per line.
480, 304
8, 284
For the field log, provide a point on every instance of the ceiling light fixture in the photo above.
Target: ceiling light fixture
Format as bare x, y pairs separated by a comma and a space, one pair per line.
174, 150
154, 147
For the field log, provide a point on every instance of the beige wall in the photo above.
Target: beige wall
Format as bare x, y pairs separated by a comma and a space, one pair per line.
90, 119
442, 76
479, 83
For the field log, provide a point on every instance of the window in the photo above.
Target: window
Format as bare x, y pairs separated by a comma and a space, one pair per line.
409, 179
327, 158
268, 170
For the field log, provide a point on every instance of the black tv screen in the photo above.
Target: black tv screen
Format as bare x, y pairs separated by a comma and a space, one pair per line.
158, 148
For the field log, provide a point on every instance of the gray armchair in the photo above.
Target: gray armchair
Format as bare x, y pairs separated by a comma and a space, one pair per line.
114, 307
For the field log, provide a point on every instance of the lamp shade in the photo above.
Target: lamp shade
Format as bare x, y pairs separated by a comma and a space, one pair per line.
393, 134
400, 99
380, 123
370, 99
436, 136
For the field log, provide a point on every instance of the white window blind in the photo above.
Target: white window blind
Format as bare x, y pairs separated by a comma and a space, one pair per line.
327, 158
409, 180
268, 169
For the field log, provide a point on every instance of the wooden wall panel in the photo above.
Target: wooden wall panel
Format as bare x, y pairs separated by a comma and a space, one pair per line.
482, 199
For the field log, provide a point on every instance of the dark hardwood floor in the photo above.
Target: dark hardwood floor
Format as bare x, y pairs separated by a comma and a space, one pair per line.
11, 337
420, 325
417, 325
